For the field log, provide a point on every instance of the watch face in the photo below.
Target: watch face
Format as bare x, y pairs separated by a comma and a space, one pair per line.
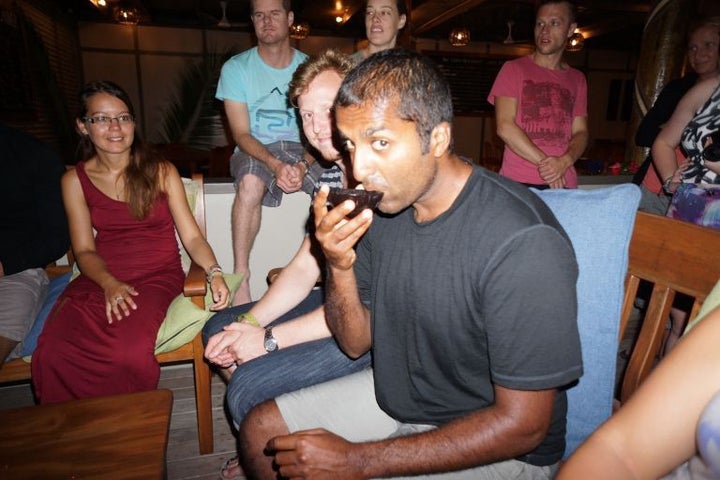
270, 345
270, 342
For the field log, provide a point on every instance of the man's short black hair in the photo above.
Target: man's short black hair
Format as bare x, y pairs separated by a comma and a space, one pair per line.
572, 7
406, 80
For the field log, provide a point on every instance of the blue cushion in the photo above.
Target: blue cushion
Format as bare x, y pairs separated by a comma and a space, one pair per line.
599, 223
56, 287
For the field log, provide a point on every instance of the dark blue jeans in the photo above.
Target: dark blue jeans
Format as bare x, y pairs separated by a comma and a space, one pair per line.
285, 370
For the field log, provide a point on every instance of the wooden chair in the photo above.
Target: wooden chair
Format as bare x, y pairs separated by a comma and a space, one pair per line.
195, 287
676, 257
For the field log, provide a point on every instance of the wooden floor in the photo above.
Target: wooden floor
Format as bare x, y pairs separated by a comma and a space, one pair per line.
183, 458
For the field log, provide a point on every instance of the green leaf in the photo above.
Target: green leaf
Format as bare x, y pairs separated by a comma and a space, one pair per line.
192, 117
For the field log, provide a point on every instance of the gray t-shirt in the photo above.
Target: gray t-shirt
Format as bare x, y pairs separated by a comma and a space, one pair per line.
482, 295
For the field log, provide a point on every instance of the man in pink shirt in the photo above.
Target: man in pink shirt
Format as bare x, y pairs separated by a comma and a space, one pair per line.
541, 105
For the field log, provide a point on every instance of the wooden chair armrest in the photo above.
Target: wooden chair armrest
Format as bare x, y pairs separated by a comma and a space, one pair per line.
54, 270
272, 274
195, 282
57, 270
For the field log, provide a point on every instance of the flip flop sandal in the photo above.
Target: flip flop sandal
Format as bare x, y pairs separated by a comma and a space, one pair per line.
233, 463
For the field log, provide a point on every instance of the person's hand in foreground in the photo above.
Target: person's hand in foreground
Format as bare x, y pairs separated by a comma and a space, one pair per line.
316, 454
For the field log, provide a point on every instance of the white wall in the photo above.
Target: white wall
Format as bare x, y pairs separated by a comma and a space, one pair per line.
147, 60
281, 232
282, 228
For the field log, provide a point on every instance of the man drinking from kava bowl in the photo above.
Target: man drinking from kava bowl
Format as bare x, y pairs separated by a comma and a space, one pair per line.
473, 332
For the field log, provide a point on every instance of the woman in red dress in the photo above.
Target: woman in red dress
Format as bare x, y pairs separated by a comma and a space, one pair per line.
123, 204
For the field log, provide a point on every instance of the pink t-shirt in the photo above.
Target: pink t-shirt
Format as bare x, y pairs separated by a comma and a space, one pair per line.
548, 102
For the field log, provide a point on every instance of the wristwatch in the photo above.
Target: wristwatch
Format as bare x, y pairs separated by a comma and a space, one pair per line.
270, 343
307, 165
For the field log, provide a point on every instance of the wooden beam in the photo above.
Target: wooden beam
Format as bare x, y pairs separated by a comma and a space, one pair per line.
437, 12
622, 7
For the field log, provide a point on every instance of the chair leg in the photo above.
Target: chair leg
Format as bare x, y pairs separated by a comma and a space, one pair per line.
203, 401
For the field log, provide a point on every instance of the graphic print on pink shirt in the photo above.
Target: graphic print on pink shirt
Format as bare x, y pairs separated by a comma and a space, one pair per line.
547, 113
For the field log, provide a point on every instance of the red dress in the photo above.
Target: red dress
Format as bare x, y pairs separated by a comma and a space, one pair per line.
79, 354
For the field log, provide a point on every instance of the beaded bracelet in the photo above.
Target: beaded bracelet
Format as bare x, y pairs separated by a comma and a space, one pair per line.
666, 185
212, 271
248, 318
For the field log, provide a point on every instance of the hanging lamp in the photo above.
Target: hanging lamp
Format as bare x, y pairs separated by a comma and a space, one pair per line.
575, 42
459, 37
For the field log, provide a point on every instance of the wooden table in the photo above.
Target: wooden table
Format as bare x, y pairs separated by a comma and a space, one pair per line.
118, 437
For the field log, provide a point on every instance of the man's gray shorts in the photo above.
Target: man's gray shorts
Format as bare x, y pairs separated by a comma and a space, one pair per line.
347, 407
287, 152
22, 294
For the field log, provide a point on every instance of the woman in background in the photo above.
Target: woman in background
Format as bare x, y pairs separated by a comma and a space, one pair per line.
383, 21
692, 125
695, 183
702, 58
100, 337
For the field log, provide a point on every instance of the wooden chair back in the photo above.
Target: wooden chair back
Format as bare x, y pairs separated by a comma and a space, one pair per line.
676, 257
195, 287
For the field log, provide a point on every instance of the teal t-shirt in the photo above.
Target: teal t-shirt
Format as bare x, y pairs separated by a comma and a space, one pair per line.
248, 79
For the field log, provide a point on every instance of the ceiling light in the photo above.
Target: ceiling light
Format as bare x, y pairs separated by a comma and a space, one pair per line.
223, 22
459, 37
99, 3
126, 14
299, 31
343, 16
575, 42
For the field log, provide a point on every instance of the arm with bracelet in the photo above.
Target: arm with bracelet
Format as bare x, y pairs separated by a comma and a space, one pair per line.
663, 149
193, 240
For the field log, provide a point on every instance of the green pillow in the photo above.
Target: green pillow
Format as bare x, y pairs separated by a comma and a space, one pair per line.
712, 301
184, 319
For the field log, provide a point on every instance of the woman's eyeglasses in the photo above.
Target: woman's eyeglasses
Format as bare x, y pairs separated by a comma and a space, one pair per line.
106, 121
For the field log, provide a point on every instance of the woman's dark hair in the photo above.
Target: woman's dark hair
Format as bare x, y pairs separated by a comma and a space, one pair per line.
141, 175
401, 8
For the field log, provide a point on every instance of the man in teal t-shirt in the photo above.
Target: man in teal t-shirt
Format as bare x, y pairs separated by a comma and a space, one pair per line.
269, 157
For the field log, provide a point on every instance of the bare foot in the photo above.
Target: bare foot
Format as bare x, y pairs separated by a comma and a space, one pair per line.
242, 296
231, 470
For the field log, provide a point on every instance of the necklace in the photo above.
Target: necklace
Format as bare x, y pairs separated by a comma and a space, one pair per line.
120, 191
